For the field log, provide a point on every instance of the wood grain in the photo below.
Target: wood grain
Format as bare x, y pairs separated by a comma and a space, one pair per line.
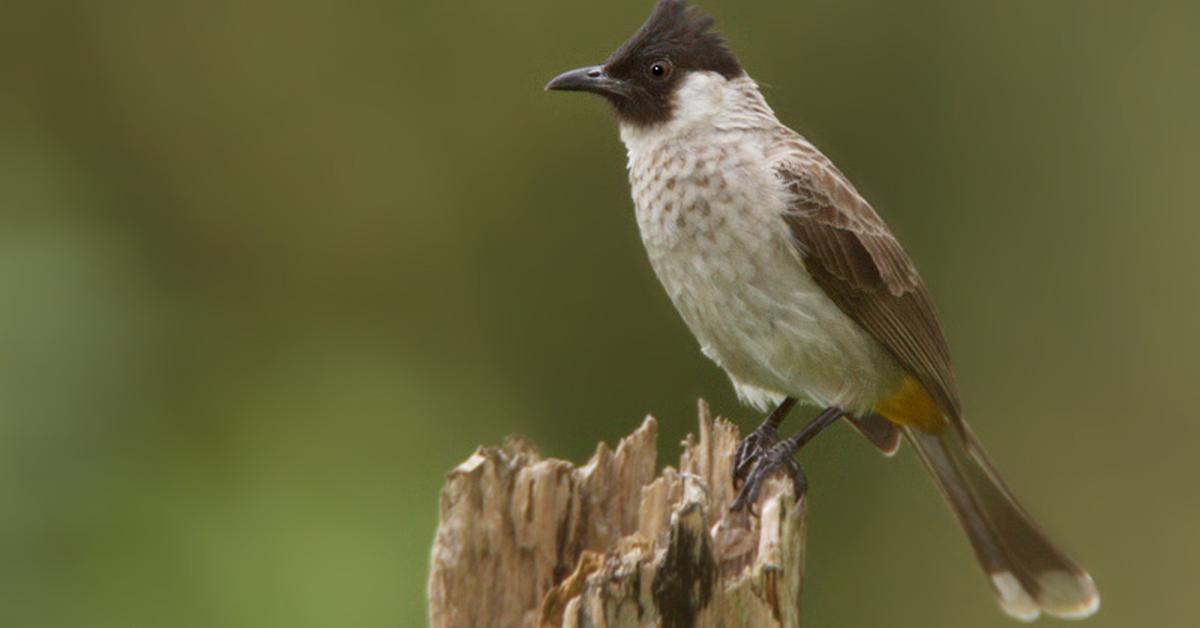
531, 541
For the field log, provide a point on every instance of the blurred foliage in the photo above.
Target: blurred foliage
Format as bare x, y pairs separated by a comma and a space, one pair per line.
271, 268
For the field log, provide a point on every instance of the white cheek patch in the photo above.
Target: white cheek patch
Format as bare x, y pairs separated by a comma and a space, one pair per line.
702, 101
698, 99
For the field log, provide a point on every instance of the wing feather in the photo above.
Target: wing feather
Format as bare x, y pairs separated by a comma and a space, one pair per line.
856, 260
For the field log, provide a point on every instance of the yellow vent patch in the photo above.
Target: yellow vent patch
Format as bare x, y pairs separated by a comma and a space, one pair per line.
911, 405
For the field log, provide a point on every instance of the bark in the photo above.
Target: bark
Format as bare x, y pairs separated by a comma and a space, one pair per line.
529, 541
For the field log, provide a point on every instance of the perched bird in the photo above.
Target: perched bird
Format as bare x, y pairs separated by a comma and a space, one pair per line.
797, 289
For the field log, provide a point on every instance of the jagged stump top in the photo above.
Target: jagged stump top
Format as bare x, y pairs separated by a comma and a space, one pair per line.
529, 541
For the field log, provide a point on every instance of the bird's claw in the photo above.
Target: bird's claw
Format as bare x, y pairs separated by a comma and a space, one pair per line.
777, 458
752, 448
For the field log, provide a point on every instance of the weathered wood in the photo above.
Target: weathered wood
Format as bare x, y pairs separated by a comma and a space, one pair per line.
528, 541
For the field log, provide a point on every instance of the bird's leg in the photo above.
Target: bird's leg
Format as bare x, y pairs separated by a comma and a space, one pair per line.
758, 442
780, 457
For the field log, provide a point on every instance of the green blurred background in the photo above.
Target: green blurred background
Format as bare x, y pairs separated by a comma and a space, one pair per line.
269, 269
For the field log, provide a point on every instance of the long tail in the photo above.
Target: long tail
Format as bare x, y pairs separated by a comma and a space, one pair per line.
1027, 572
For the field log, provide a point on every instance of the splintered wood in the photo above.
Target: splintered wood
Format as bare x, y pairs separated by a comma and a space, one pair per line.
529, 541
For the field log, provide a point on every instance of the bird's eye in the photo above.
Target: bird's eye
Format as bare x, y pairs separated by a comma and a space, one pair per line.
660, 69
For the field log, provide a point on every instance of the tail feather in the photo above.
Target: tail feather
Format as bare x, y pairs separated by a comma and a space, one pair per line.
1027, 572
882, 433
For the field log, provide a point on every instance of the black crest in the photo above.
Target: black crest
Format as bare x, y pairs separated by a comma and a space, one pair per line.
674, 40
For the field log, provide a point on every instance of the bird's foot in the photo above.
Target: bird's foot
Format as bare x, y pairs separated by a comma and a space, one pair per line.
777, 458
760, 441
753, 447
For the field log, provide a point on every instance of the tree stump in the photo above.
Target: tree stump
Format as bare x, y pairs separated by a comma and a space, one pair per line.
529, 541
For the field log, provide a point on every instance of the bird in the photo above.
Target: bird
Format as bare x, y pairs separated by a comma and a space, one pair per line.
798, 290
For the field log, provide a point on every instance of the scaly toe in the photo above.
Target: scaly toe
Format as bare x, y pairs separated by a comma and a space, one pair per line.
779, 458
751, 450
748, 494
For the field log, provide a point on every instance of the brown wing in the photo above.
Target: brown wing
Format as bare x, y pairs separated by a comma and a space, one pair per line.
853, 256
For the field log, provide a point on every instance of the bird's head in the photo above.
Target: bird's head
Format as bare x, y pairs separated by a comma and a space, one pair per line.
643, 78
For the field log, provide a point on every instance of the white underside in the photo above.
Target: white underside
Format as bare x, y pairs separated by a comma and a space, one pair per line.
710, 210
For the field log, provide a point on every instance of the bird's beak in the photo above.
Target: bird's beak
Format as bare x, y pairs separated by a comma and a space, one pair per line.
590, 79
